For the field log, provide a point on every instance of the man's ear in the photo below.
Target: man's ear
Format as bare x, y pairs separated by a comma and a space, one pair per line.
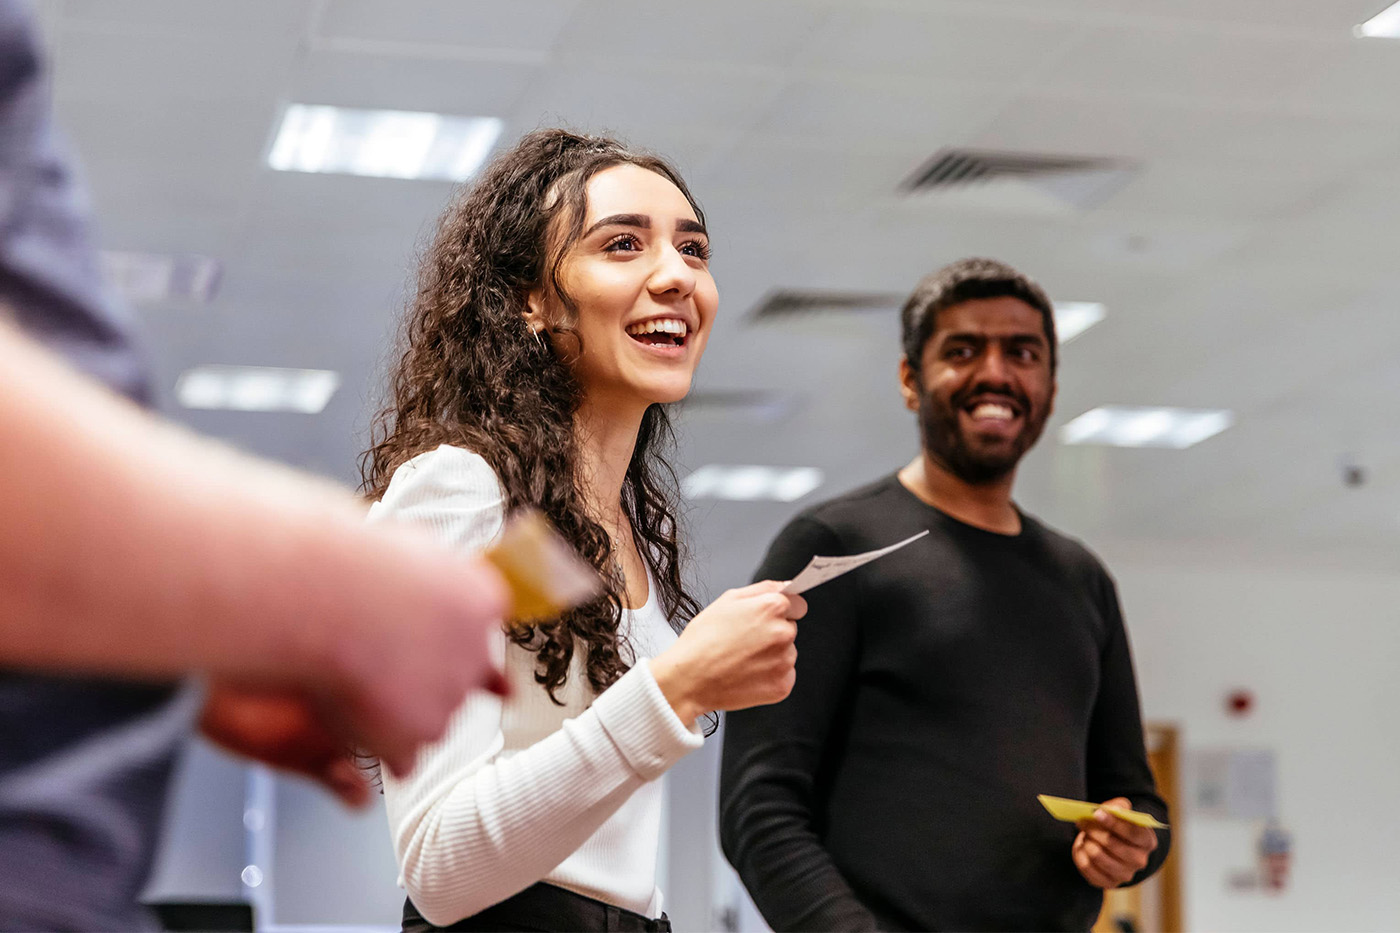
908, 384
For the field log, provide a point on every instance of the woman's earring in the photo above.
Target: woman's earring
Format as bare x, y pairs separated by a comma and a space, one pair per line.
535, 332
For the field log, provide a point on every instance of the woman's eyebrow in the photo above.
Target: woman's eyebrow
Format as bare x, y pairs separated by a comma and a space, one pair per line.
643, 222
622, 220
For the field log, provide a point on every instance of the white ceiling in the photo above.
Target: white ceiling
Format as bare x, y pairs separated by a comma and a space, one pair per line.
1251, 265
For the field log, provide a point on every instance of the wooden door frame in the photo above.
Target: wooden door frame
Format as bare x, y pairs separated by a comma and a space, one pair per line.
1163, 742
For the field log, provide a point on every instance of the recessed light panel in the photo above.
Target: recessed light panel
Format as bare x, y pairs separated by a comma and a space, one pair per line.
1384, 25
382, 143
1073, 318
750, 483
158, 278
256, 388
1124, 426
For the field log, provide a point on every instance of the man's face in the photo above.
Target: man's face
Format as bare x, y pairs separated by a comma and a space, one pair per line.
985, 388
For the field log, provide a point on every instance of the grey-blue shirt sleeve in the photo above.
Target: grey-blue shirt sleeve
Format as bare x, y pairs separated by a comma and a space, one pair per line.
49, 277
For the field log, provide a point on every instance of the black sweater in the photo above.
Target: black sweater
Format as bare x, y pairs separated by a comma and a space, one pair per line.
939, 690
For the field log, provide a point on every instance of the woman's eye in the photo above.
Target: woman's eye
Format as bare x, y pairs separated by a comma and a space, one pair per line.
697, 249
624, 243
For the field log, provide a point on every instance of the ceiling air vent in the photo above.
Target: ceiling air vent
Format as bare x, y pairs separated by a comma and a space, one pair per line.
788, 303
1019, 181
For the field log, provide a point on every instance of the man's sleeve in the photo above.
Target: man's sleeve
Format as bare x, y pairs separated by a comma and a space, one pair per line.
770, 823
49, 273
1117, 765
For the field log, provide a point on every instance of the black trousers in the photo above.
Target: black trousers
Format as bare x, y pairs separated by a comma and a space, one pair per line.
545, 908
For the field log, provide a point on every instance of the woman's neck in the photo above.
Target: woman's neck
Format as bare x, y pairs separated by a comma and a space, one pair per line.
607, 436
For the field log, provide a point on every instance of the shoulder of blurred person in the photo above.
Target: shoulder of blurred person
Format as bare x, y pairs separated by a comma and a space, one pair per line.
95, 757
49, 271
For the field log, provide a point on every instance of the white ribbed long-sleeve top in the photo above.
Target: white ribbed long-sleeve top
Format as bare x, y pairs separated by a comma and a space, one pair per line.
523, 790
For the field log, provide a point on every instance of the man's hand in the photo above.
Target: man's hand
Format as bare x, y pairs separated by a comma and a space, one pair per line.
1109, 851
412, 637
284, 730
139, 551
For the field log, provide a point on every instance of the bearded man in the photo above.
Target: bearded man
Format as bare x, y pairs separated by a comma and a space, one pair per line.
942, 688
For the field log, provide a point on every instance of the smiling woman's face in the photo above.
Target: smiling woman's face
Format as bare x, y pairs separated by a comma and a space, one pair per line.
640, 279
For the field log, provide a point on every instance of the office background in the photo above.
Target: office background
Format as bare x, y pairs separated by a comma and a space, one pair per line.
1213, 186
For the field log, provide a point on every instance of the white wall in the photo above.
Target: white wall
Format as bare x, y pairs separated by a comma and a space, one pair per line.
1320, 648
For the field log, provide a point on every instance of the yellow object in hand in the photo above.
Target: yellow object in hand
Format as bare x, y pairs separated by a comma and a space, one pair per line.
1075, 811
545, 575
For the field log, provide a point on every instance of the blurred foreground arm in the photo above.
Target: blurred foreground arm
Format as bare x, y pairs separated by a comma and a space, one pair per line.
132, 548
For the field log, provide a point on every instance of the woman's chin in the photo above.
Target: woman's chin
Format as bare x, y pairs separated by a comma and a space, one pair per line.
667, 392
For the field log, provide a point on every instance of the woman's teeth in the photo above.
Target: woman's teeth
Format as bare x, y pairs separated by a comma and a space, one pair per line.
660, 325
670, 332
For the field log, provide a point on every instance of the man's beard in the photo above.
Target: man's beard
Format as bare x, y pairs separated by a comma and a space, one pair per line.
944, 440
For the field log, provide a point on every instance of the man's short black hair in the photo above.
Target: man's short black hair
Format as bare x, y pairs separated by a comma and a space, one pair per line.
969, 280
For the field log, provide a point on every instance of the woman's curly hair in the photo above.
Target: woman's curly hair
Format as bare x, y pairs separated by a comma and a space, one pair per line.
472, 374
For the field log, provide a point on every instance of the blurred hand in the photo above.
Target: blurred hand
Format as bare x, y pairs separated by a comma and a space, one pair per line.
405, 652
1109, 851
738, 652
285, 731
411, 639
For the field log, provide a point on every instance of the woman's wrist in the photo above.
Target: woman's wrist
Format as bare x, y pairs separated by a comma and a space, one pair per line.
676, 687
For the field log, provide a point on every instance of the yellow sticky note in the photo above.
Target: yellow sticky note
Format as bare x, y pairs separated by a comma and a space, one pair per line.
1072, 811
545, 576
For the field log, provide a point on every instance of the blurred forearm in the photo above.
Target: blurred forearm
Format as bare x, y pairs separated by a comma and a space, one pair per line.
131, 547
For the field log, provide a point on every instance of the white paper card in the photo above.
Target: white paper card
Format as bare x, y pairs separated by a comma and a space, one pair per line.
821, 569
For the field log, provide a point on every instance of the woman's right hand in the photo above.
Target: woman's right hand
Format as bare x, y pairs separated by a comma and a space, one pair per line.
737, 652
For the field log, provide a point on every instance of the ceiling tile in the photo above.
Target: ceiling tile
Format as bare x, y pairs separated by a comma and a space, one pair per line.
794, 174
390, 82
207, 17
875, 114
1204, 189
1358, 76
519, 25
685, 124
1186, 62
1334, 16
729, 32
1104, 124
141, 67
933, 41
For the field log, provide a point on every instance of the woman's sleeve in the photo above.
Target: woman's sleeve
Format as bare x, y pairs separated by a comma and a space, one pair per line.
469, 828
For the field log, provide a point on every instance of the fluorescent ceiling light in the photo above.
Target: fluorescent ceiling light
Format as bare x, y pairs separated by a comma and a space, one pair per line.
1384, 25
1124, 426
256, 388
748, 483
1073, 318
157, 278
382, 143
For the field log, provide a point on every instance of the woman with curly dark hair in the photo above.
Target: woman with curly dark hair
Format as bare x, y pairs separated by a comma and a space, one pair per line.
566, 300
